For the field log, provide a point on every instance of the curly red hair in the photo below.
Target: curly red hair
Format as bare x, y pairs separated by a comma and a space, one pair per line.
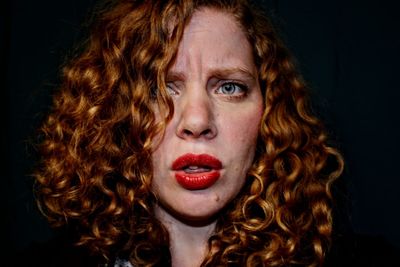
96, 170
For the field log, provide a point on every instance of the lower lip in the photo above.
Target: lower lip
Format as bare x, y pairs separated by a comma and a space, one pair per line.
197, 181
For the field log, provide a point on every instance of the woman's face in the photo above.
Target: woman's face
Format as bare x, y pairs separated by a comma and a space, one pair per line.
208, 147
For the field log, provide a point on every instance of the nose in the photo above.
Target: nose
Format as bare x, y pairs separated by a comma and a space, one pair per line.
196, 118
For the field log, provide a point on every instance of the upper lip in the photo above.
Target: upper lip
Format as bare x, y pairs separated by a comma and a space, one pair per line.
201, 160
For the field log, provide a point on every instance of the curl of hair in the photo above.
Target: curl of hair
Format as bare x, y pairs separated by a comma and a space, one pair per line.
96, 170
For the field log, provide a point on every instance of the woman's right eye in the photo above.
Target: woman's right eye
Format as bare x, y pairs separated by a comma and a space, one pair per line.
172, 89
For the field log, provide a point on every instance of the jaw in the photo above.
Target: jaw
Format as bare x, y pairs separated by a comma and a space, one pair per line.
192, 218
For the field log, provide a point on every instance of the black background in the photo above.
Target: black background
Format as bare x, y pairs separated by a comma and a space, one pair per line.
348, 51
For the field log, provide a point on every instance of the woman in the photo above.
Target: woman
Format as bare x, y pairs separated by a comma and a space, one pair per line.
182, 136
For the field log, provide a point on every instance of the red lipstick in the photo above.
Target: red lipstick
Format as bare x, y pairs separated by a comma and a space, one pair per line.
196, 172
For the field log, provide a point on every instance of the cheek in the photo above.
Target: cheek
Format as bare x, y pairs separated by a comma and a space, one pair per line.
162, 148
240, 138
159, 142
244, 127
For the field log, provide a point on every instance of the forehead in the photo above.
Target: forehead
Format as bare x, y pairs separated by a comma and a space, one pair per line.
205, 17
214, 37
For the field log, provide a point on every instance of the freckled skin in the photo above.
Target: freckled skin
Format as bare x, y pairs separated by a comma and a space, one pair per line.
209, 118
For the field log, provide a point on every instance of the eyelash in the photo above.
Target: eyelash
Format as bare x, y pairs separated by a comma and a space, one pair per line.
237, 86
244, 88
170, 89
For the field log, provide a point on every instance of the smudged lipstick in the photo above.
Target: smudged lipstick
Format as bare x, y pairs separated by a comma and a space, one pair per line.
196, 172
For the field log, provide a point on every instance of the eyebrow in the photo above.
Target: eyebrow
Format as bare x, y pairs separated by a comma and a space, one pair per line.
218, 72
175, 75
231, 71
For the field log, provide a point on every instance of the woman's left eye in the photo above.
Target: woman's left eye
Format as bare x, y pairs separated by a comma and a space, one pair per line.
232, 88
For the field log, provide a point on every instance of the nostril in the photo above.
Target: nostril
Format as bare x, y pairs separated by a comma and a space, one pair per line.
187, 132
206, 132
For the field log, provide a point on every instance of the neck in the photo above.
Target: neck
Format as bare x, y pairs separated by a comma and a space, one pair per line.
188, 239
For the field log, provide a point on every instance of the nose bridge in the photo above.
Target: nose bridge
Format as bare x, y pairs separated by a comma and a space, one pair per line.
196, 113
196, 104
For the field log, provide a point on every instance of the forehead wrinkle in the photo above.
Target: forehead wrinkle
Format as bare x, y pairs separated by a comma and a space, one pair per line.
187, 63
190, 59
230, 63
220, 66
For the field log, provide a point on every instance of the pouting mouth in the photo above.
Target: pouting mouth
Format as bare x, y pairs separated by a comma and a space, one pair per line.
192, 163
196, 169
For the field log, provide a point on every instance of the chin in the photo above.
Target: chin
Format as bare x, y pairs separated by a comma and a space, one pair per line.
197, 219
194, 215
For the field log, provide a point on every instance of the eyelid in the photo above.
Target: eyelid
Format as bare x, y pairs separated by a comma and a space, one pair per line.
240, 93
171, 88
243, 86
